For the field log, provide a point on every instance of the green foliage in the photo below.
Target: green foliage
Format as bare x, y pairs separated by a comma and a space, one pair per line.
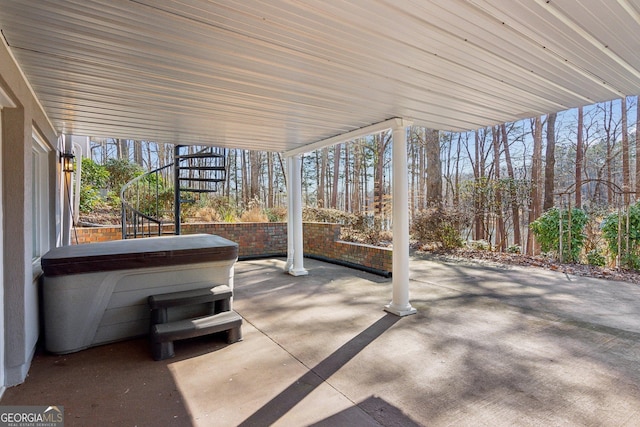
547, 232
514, 249
438, 226
120, 172
334, 216
220, 208
629, 240
277, 214
94, 174
479, 194
479, 245
89, 199
595, 258
93, 178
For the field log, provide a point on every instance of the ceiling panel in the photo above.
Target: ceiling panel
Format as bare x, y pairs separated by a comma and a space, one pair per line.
280, 74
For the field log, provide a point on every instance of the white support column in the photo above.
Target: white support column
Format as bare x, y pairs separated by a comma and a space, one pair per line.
294, 198
400, 305
289, 168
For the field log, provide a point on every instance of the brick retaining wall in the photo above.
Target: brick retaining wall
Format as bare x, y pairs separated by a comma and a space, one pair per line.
257, 239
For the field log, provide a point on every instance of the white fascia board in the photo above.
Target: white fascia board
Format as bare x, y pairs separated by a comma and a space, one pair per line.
357, 133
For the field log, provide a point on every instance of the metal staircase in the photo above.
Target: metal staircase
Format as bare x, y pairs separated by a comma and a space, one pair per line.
146, 202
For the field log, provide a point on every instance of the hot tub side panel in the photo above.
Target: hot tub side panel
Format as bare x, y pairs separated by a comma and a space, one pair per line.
83, 310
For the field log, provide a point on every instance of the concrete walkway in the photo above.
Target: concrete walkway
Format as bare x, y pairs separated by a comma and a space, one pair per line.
488, 346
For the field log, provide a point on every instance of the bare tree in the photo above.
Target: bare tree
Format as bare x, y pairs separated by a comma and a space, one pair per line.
336, 175
536, 184
515, 209
626, 181
579, 157
501, 240
638, 147
550, 162
434, 168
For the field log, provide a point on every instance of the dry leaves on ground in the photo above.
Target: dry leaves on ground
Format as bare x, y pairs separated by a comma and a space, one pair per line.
502, 259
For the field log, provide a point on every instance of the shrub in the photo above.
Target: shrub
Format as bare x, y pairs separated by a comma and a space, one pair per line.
479, 245
629, 241
334, 216
254, 214
547, 232
94, 177
595, 258
438, 226
514, 249
206, 214
120, 172
277, 214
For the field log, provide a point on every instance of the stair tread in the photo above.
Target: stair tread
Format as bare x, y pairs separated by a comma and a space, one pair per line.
194, 296
189, 328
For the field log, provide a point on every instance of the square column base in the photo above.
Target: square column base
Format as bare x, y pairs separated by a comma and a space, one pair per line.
389, 308
302, 272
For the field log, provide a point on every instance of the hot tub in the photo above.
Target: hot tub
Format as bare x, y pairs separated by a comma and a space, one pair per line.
97, 293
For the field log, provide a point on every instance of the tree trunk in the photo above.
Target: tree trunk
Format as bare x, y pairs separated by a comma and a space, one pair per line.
610, 140
579, 157
479, 224
638, 147
347, 179
378, 179
137, 153
254, 158
550, 162
434, 169
422, 171
626, 181
501, 240
515, 210
336, 175
355, 187
270, 181
245, 178
536, 184
456, 186
324, 175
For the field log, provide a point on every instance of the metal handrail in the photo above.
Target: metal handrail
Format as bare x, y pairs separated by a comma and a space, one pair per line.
136, 223
136, 226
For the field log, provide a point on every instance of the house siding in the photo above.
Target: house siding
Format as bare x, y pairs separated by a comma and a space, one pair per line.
20, 282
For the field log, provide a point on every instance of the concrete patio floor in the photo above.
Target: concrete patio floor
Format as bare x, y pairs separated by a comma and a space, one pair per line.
488, 346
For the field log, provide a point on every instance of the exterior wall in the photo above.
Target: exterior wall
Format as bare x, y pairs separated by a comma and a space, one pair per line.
20, 275
270, 239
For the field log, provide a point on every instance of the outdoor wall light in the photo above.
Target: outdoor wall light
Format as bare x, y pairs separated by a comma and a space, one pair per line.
67, 162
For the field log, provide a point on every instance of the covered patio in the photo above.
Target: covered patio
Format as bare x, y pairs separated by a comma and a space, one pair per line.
488, 346
483, 347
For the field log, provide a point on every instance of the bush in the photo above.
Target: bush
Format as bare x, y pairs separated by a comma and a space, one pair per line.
333, 216
479, 245
547, 232
254, 214
120, 172
94, 177
595, 258
277, 214
514, 249
629, 242
438, 226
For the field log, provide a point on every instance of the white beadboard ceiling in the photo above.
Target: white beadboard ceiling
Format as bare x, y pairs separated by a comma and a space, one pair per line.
280, 74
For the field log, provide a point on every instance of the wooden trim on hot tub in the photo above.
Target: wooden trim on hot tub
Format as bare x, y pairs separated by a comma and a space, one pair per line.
138, 253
